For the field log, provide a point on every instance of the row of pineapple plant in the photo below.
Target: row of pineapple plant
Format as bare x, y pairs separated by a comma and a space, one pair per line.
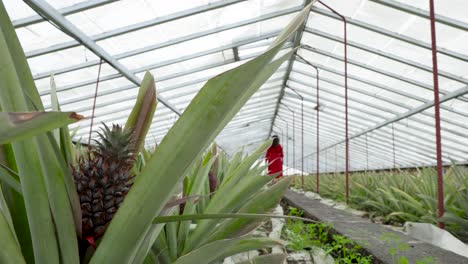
114, 201
401, 196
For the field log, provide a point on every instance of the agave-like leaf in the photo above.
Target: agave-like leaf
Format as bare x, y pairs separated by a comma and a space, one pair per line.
179, 218
17, 126
208, 113
142, 113
10, 178
19, 94
63, 135
10, 251
16, 95
220, 249
263, 202
232, 194
15, 201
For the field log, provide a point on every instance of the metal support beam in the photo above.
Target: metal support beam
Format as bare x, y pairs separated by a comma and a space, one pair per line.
414, 111
423, 13
386, 55
392, 34
360, 119
170, 62
297, 43
59, 20
69, 10
119, 89
385, 88
131, 28
387, 109
440, 174
416, 148
176, 41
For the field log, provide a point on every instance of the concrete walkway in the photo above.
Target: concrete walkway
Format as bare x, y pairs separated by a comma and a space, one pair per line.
379, 241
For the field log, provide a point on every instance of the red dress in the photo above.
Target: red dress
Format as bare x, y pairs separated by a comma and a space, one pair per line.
274, 157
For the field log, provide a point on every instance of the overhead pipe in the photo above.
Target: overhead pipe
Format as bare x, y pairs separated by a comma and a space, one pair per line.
302, 134
346, 94
440, 179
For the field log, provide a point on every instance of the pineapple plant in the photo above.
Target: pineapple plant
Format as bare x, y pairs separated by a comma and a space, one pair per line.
103, 176
46, 212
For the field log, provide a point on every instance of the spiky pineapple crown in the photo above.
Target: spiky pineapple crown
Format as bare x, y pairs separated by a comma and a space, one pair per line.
114, 143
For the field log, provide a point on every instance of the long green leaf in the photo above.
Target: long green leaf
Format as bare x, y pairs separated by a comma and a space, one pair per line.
64, 137
224, 248
261, 203
17, 126
10, 178
178, 218
6, 214
69, 184
211, 109
59, 200
10, 251
142, 113
15, 202
18, 94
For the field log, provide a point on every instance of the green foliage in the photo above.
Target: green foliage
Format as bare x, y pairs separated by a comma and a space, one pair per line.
396, 249
402, 196
250, 196
301, 236
40, 160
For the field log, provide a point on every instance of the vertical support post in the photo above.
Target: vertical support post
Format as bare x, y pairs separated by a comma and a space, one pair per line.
393, 147
318, 134
317, 108
287, 138
346, 96
440, 180
367, 155
302, 143
294, 140
302, 134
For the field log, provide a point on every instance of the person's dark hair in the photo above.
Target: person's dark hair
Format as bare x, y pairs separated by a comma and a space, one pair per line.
275, 141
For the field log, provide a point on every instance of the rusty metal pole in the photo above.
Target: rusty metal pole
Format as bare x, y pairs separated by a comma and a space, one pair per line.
287, 138
293, 136
440, 179
318, 134
318, 121
302, 134
346, 96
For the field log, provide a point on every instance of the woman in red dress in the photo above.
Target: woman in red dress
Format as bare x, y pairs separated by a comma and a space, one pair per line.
274, 158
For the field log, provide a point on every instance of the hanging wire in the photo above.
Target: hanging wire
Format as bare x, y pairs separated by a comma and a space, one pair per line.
94, 103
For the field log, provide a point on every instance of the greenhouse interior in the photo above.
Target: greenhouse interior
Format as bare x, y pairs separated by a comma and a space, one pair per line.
234, 131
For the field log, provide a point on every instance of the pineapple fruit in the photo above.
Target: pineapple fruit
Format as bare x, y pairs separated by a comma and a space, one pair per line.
103, 176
